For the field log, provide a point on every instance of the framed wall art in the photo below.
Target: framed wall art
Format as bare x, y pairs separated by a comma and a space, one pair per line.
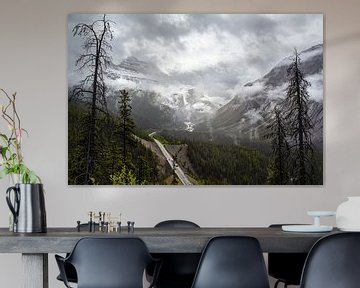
192, 99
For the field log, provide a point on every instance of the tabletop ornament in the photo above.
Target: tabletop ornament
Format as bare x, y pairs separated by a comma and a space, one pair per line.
25, 197
315, 227
104, 222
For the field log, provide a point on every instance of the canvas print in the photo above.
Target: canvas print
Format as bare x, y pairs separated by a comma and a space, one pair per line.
195, 99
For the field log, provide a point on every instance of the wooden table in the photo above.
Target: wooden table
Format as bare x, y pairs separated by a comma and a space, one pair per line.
35, 247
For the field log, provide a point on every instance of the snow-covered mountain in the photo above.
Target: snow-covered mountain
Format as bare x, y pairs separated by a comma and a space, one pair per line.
166, 101
245, 117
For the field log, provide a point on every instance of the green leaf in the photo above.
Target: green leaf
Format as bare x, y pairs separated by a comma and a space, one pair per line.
15, 169
3, 151
27, 175
33, 178
4, 137
26, 132
13, 156
4, 173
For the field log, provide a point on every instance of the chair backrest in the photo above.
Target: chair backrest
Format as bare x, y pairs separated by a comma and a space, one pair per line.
110, 262
286, 266
333, 262
232, 262
176, 224
178, 269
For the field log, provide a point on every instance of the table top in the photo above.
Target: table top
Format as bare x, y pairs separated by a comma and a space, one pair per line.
158, 240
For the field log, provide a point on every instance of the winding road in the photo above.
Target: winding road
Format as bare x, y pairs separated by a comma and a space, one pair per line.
179, 172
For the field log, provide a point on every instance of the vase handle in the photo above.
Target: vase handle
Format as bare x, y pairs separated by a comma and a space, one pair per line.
13, 208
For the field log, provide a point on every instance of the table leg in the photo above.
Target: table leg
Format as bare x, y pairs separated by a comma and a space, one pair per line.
35, 270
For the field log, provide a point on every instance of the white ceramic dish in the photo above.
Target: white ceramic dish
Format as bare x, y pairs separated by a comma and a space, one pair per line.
321, 213
306, 228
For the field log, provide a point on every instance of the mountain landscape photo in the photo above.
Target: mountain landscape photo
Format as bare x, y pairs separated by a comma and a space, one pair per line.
191, 99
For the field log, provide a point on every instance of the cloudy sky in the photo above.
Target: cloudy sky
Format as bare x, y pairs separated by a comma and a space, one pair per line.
225, 50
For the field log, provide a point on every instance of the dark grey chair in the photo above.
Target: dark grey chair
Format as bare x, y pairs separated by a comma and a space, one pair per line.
178, 269
232, 262
286, 267
69, 269
108, 263
70, 273
333, 262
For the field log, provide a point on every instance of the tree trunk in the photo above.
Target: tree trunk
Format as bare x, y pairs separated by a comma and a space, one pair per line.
302, 175
92, 126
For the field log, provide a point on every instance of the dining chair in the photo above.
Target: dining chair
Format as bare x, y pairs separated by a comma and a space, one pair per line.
108, 263
69, 269
232, 262
285, 267
333, 262
178, 269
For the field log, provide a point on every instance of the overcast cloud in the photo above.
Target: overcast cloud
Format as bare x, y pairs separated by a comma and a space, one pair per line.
227, 49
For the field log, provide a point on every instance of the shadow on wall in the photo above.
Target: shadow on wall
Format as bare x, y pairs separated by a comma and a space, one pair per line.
343, 39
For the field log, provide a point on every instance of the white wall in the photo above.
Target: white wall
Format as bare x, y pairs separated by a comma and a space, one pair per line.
33, 59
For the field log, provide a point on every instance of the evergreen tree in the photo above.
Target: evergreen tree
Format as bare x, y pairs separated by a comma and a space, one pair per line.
216, 164
278, 168
296, 115
77, 135
124, 177
141, 166
91, 89
126, 122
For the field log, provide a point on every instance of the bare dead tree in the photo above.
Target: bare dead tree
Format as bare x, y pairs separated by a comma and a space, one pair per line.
298, 121
91, 89
278, 172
